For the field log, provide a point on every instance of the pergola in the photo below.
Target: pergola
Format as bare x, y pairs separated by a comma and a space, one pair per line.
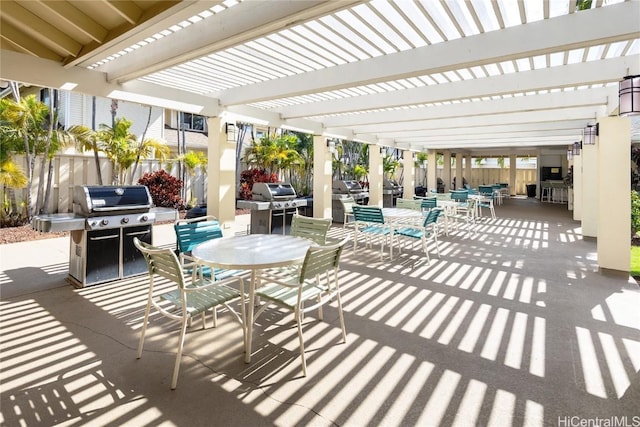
472, 78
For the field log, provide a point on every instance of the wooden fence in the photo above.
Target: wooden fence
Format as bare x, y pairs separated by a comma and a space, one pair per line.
70, 170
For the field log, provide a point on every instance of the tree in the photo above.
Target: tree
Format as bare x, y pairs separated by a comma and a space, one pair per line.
274, 153
29, 127
122, 148
25, 117
87, 139
191, 161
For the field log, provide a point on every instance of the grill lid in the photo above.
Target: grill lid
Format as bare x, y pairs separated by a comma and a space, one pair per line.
347, 187
268, 191
95, 200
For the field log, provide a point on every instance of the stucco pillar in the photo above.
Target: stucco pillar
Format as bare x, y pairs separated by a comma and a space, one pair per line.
614, 188
512, 174
221, 175
446, 171
322, 174
459, 175
375, 176
432, 170
577, 187
468, 172
409, 184
590, 187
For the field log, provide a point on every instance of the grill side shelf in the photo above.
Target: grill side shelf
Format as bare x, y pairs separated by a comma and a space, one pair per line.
55, 223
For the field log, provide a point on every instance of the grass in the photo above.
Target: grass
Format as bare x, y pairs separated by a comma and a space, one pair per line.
635, 261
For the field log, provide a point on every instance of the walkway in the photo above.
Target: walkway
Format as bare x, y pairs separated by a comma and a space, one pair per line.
512, 327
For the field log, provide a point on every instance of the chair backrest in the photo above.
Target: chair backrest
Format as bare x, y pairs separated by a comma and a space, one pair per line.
432, 217
347, 204
460, 196
368, 214
315, 229
191, 232
485, 189
427, 202
162, 262
409, 204
471, 208
321, 260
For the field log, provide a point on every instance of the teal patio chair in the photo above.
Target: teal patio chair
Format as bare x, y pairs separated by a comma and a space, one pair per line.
192, 232
429, 229
369, 222
427, 202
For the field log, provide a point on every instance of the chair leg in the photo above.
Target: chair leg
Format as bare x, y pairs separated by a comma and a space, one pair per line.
144, 329
341, 315
176, 367
304, 363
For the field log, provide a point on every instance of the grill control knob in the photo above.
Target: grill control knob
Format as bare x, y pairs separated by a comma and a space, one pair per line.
144, 218
124, 220
104, 221
286, 205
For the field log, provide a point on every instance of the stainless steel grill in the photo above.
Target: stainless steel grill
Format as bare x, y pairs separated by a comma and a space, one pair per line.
391, 190
104, 222
272, 207
344, 189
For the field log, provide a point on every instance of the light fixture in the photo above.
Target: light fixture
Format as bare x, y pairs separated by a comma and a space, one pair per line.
570, 152
230, 130
383, 152
629, 96
590, 133
331, 145
577, 146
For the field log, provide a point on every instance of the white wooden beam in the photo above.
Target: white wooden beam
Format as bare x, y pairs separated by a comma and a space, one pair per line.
512, 43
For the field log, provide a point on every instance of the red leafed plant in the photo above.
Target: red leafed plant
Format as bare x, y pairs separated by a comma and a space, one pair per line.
164, 189
249, 176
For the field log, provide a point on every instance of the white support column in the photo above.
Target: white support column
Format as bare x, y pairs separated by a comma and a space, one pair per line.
577, 187
432, 170
375, 176
590, 188
459, 176
446, 171
409, 184
512, 174
322, 174
614, 188
221, 175
468, 172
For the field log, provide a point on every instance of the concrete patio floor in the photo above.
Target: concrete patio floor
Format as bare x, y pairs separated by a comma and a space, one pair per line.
514, 326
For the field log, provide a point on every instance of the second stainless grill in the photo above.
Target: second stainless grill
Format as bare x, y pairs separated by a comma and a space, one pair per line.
272, 207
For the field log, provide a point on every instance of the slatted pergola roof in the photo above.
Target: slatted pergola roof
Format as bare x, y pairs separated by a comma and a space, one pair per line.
476, 76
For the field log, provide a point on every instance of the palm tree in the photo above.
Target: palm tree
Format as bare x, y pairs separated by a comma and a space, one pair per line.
87, 139
274, 153
24, 121
192, 160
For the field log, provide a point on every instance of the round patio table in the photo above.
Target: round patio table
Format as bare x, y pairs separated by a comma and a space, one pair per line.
252, 252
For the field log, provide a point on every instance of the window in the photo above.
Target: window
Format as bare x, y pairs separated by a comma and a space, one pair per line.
44, 97
194, 122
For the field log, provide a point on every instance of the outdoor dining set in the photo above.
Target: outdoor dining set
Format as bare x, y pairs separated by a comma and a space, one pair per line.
297, 272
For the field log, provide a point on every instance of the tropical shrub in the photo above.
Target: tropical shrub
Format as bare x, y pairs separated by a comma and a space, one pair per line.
635, 213
164, 188
249, 176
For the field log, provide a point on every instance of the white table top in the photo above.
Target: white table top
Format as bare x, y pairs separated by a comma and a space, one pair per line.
401, 213
253, 251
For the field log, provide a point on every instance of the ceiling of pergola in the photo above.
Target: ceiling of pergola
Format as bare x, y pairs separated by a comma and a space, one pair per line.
479, 76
